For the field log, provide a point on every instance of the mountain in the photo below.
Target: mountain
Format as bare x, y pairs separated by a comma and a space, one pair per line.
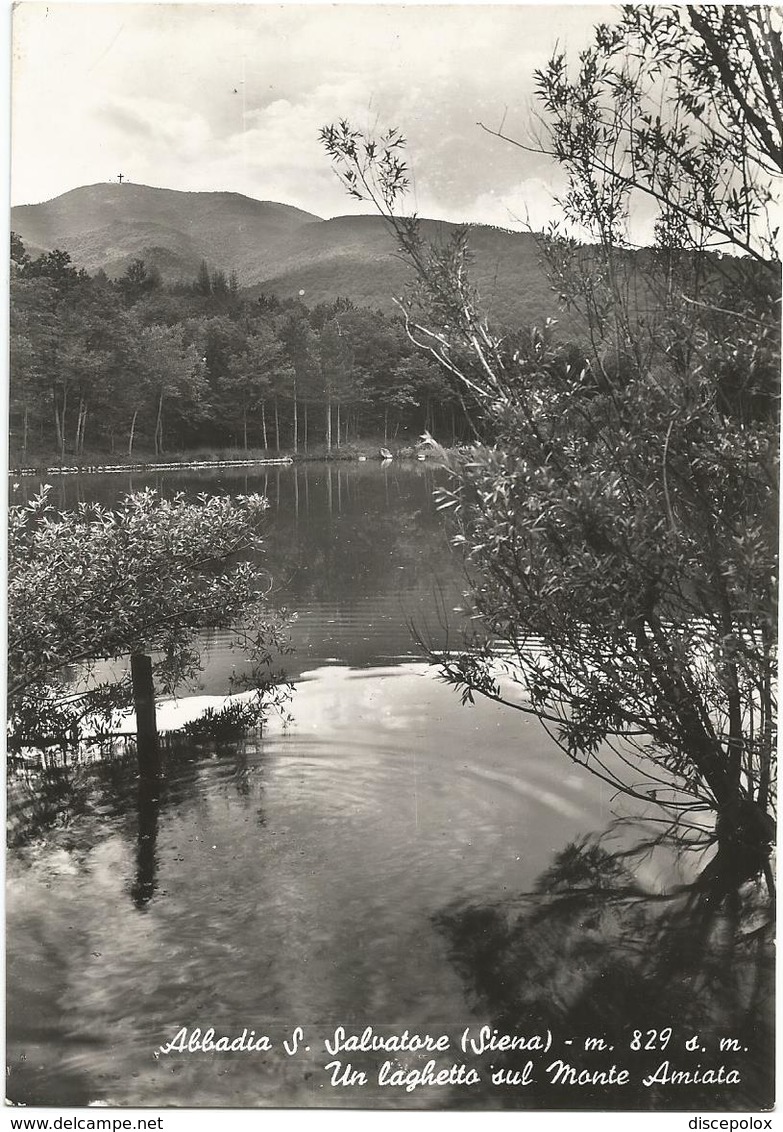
271, 247
356, 256
106, 226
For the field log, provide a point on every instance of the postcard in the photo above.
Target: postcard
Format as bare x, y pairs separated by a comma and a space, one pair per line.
393, 444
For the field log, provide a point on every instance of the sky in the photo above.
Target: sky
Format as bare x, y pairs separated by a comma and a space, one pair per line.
231, 97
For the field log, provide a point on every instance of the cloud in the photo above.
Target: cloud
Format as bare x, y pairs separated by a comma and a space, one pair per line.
196, 96
527, 206
158, 125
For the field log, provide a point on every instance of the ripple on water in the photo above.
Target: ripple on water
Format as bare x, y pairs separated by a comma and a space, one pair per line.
293, 877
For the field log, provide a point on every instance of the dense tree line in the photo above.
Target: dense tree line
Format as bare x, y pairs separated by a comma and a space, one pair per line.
130, 365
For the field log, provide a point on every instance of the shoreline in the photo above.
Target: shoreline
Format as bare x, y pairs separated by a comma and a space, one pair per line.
163, 466
196, 465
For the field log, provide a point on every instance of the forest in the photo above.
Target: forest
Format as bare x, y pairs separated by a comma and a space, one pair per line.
133, 367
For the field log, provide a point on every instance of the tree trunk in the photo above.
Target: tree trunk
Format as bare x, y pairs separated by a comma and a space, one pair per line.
305, 426
263, 425
81, 423
328, 426
746, 833
244, 425
338, 424
24, 430
159, 426
132, 430
385, 423
296, 422
144, 704
56, 417
62, 424
277, 428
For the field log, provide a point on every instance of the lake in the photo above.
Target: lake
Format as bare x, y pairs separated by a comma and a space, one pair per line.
387, 858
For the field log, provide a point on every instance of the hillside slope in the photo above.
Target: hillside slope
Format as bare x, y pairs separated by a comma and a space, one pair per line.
357, 256
271, 246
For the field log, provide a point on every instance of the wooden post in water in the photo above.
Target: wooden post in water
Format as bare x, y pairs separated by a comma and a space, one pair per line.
144, 705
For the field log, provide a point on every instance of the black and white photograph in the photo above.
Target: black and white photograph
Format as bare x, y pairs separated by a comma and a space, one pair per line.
392, 559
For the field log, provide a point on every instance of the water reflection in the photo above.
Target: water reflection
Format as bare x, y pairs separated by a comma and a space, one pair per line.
354, 867
285, 879
590, 953
144, 884
356, 551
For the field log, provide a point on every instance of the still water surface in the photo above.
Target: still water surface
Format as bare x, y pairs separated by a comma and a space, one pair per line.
361, 865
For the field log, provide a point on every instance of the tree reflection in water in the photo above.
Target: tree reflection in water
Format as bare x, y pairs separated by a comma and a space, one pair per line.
81, 799
590, 954
145, 882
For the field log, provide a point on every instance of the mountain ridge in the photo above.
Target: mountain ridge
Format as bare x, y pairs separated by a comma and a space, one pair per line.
270, 245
